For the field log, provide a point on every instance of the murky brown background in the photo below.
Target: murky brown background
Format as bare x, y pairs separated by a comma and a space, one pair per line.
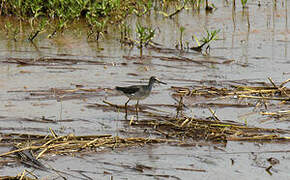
255, 53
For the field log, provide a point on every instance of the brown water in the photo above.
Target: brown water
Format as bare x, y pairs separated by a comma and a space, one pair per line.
255, 53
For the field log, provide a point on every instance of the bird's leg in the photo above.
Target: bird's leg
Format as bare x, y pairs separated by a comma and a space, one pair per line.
126, 107
137, 107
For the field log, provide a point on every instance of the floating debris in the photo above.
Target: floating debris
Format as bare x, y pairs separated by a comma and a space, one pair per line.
70, 144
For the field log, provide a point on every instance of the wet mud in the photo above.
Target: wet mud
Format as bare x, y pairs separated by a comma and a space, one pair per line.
223, 114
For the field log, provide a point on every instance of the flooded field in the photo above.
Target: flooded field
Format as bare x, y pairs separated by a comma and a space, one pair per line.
224, 113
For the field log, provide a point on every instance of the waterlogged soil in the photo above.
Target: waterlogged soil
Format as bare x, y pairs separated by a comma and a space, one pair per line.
62, 83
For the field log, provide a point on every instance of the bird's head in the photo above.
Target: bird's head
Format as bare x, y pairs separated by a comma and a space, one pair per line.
153, 79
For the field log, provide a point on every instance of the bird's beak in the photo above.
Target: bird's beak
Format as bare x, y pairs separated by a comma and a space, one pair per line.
160, 81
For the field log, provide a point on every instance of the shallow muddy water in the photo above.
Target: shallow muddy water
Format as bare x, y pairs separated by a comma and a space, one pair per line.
247, 53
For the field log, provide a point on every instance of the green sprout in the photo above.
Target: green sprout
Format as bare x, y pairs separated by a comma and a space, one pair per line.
244, 3
125, 31
181, 36
145, 35
206, 40
11, 31
97, 27
40, 28
146, 6
197, 4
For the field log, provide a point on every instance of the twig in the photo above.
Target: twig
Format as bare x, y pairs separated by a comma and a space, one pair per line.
213, 114
176, 12
268, 98
280, 88
283, 83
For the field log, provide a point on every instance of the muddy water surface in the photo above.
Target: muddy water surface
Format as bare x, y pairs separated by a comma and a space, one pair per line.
252, 46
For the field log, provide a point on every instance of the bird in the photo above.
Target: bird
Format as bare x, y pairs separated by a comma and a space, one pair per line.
138, 92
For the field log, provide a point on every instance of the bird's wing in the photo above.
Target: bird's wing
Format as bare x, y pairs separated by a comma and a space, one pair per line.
128, 90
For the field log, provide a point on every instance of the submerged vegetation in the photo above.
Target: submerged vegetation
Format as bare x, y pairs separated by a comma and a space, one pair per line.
145, 35
56, 16
244, 3
60, 14
29, 148
170, 125
163, 128
206, 40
